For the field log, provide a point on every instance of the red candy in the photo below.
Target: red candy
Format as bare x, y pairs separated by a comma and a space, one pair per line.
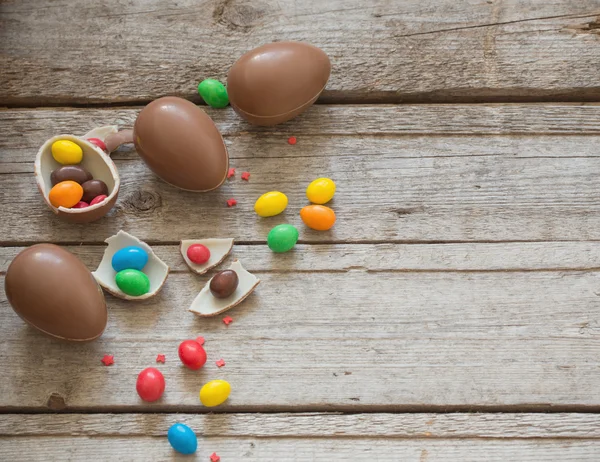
80, 205
198, 253
292, 140
98, 199
99, 143
150, 384
192, 354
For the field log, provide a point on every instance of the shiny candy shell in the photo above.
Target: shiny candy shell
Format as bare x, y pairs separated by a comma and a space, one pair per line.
133, 282
131, 257
150, 384
271, 204
320, 191
318, 217
65, 194
282, 238
213, 93
66, 152
192, 354
182, 438
214, 393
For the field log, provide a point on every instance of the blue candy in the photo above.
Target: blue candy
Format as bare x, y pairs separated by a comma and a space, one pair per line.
182, 438
129, 258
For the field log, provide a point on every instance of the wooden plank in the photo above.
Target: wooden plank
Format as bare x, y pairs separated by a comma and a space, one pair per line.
456, 51
310, 425
312, 340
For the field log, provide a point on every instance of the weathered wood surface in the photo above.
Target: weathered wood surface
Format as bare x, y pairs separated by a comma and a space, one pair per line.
360, 332
524, 187
409, 437
468, 50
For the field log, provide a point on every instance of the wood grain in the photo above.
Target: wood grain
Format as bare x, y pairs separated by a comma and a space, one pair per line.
454, 51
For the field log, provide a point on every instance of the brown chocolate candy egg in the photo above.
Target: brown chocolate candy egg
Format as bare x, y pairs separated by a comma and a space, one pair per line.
275, 82
54, 291
181, 144
224, 283
70, 172
93, 189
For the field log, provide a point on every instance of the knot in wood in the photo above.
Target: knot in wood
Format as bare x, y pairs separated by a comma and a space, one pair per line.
56, 402
239, 15
142, 201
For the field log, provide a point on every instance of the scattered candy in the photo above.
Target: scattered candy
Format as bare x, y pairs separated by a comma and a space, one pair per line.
108, 360
231, 202
133, 282
94, 188
214, 393
227, 320
213, 93
200, 340
182, 438
70, 172
214, 457
65, 194
130, 257
192, 354
66, 152
230, 172
282, 238
98, 142
271, 204
160, 359
224, 283
198, 253
292, 140
150, 384
320, 191
245, 176
220, 363
318, 217
97, 200
80, 205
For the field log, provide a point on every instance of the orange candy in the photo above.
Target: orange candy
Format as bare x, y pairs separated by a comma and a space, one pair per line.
65, 194
318, 217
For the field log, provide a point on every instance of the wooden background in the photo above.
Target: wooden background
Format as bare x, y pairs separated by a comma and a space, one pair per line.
452, 313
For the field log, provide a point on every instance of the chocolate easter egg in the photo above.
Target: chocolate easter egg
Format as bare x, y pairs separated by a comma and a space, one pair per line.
181, 144
275, 82
53, 290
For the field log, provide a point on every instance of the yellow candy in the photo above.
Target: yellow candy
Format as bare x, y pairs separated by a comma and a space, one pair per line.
271, 204
320, 191
214, 393
66, 152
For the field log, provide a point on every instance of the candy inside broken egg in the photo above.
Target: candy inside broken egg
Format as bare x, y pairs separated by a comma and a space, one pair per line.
155, 269
218, 248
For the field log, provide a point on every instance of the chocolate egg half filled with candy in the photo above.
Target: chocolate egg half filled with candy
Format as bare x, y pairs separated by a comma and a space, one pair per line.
181, 144
94, 162
275, 82
54, 291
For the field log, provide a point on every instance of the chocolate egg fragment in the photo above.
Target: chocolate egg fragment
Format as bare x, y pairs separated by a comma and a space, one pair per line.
95, 161
224, 283
181, 144
275, 82
53, 290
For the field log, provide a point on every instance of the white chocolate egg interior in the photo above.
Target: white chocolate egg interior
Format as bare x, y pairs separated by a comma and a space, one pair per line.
156, 269
219, 249
206, 304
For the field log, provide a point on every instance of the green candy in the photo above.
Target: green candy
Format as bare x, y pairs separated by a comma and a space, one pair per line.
282, 238
133, 282
213, 93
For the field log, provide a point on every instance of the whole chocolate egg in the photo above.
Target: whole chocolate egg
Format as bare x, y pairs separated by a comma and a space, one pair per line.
181, 144
54, 291
275, 82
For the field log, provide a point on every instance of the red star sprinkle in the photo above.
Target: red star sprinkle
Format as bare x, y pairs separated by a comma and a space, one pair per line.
200, 340
245, 176
108, 360
220, 363
214, 457
160, 359
231, 202
227, 320
231, 172
292, 140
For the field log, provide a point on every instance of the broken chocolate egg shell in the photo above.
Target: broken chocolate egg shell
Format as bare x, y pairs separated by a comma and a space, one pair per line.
219, 249
95, 161
156, 269
206, 305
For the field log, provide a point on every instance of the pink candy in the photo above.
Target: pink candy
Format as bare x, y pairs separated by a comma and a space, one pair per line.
80, 205
98, 142
98, 199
